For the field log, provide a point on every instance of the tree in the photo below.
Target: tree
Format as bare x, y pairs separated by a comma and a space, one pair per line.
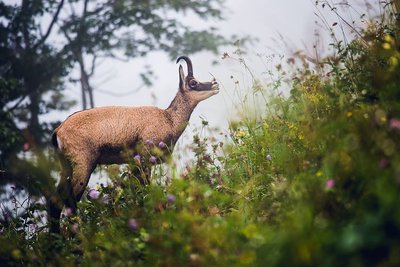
42, 41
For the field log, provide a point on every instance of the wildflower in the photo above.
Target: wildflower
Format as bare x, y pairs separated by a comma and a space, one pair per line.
162, 144
383, 163
319, 173
133, 224
394, 124
137, 158
149, 143
68, 212
269, 157
349, 114
393, 61
33, 227
240, 134
386, 46
171, 198
74, 228
153, 159
94, 193
330, 183
388, 38
26, 147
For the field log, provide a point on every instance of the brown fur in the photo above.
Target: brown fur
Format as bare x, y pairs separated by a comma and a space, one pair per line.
112, 135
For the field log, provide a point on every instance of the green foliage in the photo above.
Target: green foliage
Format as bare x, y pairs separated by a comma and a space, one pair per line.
313, 182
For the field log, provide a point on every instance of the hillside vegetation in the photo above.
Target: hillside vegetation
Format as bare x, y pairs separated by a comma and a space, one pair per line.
315, 181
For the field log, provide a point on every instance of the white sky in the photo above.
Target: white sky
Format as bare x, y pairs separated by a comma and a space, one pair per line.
262, 19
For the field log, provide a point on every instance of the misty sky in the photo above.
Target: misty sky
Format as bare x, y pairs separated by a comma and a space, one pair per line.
262, 19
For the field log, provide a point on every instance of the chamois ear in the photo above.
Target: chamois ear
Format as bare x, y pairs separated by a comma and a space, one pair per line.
181, 79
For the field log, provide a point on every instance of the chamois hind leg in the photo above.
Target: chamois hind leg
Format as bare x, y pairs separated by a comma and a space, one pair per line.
56, 202
54, 208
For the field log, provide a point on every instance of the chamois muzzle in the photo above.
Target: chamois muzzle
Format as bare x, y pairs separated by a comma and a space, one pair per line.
203, 86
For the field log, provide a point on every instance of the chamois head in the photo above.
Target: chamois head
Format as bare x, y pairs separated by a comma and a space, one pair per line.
190, 85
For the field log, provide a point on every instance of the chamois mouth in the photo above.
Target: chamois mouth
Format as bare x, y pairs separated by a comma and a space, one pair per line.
215, 87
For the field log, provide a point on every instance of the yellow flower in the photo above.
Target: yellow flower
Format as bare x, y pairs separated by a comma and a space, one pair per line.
393, 61
319, 173
388, 38
290, 125
386, 46
349, 114
240, 134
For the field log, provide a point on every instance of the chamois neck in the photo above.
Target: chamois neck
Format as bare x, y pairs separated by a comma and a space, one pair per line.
181, 108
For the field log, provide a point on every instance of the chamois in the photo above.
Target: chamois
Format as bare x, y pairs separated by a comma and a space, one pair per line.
113, 135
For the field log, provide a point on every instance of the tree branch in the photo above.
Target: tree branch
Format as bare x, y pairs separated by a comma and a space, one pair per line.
53, 21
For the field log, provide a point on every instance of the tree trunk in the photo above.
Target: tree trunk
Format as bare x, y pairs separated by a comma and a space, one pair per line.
87, 90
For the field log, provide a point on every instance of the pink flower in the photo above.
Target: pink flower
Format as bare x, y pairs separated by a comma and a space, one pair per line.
68, 212
93, 193
383, 163
74, 228
133, 224
394, 124
330, 183
26, 147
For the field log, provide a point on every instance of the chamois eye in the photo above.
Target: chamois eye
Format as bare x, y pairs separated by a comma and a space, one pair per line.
192, 83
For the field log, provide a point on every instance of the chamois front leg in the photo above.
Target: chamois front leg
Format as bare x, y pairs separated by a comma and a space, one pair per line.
80, 179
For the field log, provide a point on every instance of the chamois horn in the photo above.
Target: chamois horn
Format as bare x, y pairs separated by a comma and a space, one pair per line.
188, 63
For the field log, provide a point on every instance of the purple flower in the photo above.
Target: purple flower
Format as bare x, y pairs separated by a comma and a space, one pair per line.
330, 183
93, 193
162, 144
153, 159
171, 198
149, 142
133, 224
269, 157
137, 158
33, 227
